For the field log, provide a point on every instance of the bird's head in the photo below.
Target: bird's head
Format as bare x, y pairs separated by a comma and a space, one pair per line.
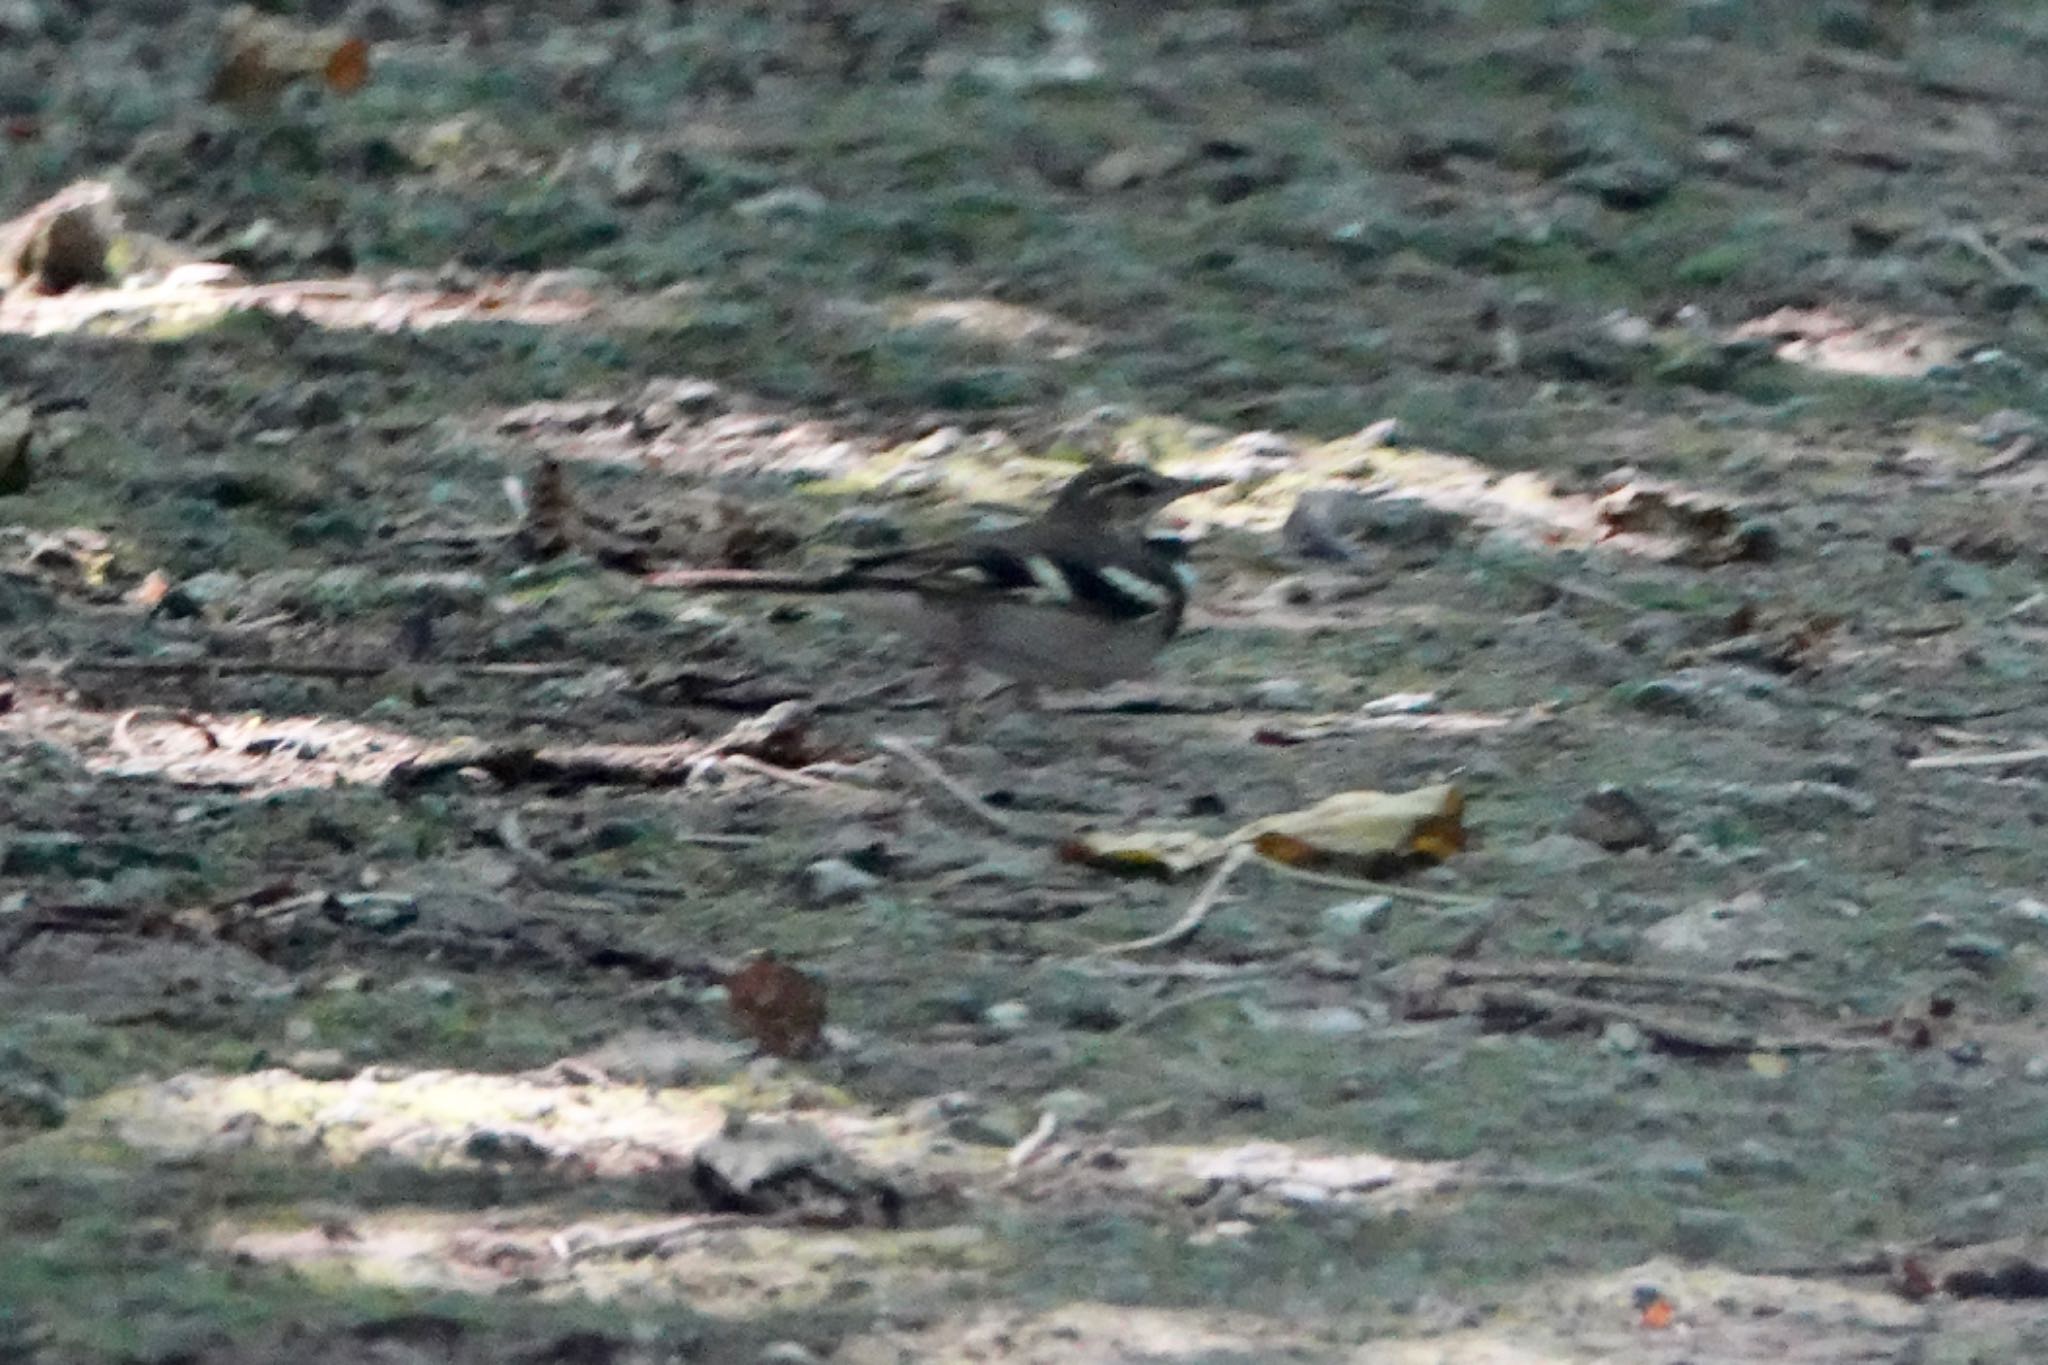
1125, 493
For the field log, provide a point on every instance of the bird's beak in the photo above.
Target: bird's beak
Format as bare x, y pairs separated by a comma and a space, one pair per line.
1191, 486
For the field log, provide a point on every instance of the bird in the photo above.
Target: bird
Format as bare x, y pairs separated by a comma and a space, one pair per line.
1078, 597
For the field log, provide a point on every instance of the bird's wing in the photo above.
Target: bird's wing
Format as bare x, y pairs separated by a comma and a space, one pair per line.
1122, 579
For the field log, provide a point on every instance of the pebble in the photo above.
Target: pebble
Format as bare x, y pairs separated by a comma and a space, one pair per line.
1612, 818
1976, 950
1007, 1016
1280, 694
1363, 916
833, 881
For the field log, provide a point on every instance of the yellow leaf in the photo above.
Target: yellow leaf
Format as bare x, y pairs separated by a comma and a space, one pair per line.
1364, 827
1157, 852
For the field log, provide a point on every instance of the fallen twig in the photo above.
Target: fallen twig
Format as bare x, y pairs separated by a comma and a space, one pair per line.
898, 747
1181, 1002
316, 668
1683, 1035
1503, 973
647, 1239
2006, 758
1190, 922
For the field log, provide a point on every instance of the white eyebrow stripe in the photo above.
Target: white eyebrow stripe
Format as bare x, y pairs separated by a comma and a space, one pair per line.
1052, 584
1135, 586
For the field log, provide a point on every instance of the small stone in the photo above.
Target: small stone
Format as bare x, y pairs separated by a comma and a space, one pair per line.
1007, 1016
1638, 182
1612, 818
1976, 950
1073, 1106
1366, 915
833, 881
1802, 802
788, 1353
2029, 911
1280, 694
320, 1064
1664, 697
2036, 1068
437, 989
1622, 1037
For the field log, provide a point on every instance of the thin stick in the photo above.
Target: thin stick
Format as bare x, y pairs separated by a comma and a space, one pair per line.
897, 747
1185, 928
1672, 1032
747, 763
313, 668
1478, 973
1414, 893
2005, 759
1181, 1002
643, 1240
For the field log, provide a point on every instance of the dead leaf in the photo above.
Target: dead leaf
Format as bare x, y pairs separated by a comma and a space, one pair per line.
151, 590
1691, 527
1372, 832
62, 242
777, 1006
262, 55
348, 67
1364, 828
1158, 853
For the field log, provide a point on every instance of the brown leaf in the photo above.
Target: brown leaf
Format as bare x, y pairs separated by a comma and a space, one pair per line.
348, 67
777, 1006
262, 55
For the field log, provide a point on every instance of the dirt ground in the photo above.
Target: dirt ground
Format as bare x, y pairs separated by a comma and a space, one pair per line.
1633, 415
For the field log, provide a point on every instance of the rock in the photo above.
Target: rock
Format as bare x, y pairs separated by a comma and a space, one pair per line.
1717, 935
647, 1057
1979, 951
1328, 1021
1007, 1016
834, 881
1622, 1038
438, 990
1803, 803
1365, 915
1615, 820
1073, 1106
1130, 166
788, 1353
1635, 183
320, 1064
1279, 694
1329, 524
